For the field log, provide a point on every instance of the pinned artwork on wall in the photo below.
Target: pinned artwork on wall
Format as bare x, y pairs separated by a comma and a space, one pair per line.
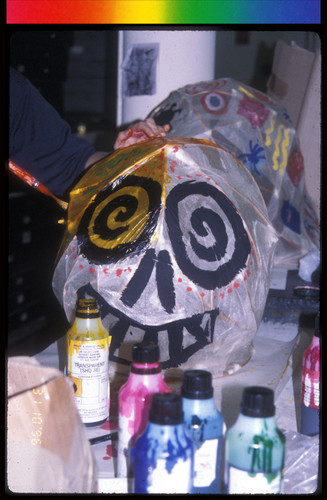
139, 70
172, 238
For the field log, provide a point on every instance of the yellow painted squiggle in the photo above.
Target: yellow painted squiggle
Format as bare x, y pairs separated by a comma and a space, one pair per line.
277, 150
242, 89
269, 131
285, 143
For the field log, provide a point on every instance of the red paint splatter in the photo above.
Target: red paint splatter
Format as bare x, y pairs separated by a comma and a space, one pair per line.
81, 266
229, 290
75, 256
189, 289
178, 177
92, 270
202, 294
106, 271
119, 272
236, 285
111, 451
180, 280
248, 272
109, 425
222, 295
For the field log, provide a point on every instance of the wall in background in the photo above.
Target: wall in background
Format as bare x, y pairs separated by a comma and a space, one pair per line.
151, 64
247, 56
76, 70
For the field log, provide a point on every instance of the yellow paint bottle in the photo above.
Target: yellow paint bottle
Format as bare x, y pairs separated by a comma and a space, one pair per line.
88, 363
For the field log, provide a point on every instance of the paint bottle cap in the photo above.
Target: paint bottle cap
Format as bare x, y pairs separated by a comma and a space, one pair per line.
145, 352
258, 402
197, 384
166, 409
87, 308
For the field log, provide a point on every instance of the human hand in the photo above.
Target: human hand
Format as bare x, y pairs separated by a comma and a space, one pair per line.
141, 131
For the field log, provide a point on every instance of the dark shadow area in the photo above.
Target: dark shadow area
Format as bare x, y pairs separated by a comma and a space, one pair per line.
262, 66
35, 317
76, 72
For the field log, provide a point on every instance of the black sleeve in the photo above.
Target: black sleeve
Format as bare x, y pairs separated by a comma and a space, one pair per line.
40, 141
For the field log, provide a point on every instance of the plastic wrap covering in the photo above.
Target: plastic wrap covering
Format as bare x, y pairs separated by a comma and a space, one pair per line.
172, 239
259, 132
47, 447
301, 464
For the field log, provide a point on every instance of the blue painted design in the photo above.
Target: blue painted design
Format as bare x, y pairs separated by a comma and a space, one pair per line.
287, 117
162, 443
291, 217
253, 158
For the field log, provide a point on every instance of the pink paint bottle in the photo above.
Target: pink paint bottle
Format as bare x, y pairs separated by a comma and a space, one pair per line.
310, 394
134, 401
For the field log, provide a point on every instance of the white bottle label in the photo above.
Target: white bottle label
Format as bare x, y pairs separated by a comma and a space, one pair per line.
243, 482
205, 459
88, 368
177, 480
310, 389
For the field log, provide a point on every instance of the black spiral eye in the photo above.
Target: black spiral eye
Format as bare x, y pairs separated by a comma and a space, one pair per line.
120, 220
207, 234
214, 103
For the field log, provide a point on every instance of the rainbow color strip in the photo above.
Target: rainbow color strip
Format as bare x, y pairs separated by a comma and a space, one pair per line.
163, 11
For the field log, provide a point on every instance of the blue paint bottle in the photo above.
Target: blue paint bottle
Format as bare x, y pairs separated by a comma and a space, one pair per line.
255, 447
205, 426
163, 454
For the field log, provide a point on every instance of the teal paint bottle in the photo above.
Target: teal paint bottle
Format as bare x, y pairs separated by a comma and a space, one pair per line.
255, 447
204, 424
